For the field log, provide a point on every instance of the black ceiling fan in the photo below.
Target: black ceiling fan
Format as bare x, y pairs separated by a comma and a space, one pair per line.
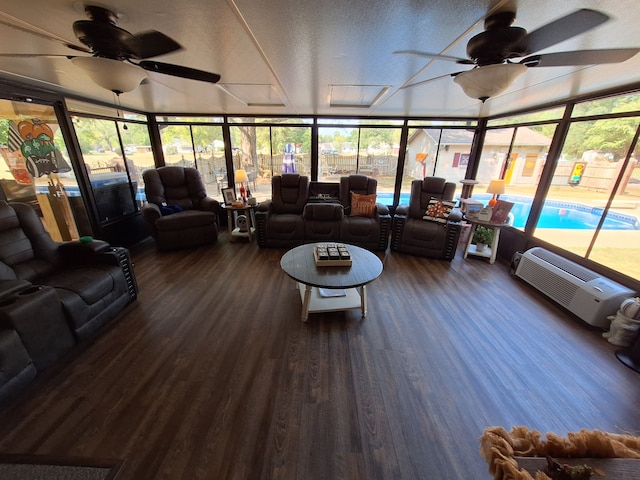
492, 52
106, 42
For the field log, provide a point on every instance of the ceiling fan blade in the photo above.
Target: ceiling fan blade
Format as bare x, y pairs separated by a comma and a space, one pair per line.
417, 53
422, 82
35, 55
152, 44
580, 57
17, 24
179, 71
562, 29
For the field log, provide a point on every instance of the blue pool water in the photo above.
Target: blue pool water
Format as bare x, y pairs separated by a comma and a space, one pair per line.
554, 214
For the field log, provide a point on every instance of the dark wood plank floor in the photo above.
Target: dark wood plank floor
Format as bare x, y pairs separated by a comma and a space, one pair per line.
210, 374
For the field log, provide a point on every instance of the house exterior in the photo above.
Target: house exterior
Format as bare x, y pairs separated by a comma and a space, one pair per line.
445, 153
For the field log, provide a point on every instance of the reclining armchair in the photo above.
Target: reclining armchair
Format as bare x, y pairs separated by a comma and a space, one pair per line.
366, 227
179, 212
54, 293
418, 231
280, 221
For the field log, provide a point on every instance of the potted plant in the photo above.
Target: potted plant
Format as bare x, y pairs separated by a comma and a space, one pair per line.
482, 237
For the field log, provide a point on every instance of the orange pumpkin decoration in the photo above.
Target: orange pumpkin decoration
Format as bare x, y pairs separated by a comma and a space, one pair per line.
33, 129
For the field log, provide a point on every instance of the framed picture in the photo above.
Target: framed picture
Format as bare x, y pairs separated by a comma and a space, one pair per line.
229, 195
501, 211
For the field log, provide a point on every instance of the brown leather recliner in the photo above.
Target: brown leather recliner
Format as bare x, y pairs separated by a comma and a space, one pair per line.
197, 221
412, 234
280, 221
371, 233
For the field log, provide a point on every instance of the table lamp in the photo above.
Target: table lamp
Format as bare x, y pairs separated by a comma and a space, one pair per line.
241, 178
496, 187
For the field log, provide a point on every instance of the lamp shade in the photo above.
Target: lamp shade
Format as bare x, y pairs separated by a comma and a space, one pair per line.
241, 176
489, 80
113, 75
496, 187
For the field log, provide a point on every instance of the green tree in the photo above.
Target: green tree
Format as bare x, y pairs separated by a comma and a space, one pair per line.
93, 132
4, 131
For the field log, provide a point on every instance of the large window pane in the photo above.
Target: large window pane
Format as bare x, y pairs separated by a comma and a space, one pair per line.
436, 152
518, 156
197, 146
210, 158
264, 151
138, 154
37, 170
177, 145
378, 157
592, 161
365, 151
523, 169
337, 152
104, 159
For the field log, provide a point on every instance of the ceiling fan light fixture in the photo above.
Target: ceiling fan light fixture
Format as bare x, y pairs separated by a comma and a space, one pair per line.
114, 75
489, 80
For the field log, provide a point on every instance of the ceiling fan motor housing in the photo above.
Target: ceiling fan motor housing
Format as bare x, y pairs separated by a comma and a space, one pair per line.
496, 45
104, 39
102, 34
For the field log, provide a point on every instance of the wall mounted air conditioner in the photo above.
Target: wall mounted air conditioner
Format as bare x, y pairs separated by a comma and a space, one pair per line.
583, 292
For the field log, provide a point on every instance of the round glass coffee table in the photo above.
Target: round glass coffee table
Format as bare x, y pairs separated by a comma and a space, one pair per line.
330, 288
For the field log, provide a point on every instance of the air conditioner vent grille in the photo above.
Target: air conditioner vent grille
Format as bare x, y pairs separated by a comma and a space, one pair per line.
590, 296
552, 285
565, 265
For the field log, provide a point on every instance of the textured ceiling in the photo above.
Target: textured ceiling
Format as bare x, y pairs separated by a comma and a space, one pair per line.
324, 57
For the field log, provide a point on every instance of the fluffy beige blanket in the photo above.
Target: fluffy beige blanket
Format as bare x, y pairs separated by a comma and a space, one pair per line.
498, 447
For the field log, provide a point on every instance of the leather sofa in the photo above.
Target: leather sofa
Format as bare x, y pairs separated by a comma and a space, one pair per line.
52, 294
292, 216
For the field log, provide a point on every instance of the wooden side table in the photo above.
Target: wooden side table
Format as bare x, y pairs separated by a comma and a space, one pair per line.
492, 250
232, 212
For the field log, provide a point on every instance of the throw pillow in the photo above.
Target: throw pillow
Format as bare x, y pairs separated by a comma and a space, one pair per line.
438, 210
169, 209
363, 205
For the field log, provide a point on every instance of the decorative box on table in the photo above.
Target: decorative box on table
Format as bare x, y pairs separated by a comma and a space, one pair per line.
332, 255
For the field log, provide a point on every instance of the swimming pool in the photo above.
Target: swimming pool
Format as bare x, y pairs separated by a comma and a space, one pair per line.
554, 214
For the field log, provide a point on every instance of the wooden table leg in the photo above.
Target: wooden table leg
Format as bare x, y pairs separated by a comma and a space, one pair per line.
305, 303
468, 245
363, 300
494, 244
249, 223
230, 224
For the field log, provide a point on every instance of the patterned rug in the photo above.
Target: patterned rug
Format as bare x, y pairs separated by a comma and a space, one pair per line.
32, 467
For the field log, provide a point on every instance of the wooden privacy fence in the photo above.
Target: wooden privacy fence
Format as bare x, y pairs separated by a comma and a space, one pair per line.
336, 164
598, 176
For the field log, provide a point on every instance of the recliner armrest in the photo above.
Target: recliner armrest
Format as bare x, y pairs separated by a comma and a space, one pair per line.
151, 212
264, 206
8, 288
83, 248
209, 204
402, 210
382, 209
74, 253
